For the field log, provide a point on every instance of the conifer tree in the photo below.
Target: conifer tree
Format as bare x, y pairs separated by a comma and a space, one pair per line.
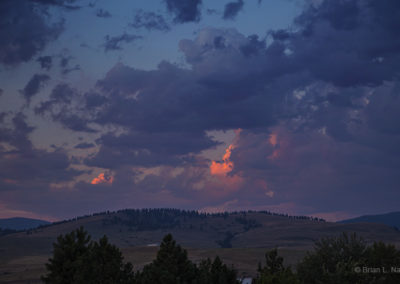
68, 253
216, 272
78, 260
171, 266
274, 271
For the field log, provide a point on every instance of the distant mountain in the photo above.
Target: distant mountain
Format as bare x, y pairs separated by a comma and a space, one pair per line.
391, 219
19, 223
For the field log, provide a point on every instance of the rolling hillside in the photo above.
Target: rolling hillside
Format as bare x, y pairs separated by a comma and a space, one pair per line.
19, 223
240, 238
391, 219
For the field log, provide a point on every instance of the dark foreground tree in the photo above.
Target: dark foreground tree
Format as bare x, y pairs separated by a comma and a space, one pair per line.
68, 254
216, 272
387, 258
104, 264
171, 266
333, 260
76, 259
274, 272
347, 260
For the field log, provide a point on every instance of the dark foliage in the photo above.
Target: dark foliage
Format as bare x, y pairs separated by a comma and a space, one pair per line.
77, 259
343, 259
347, 259
216, 272
152, 219
274, 271
248, 223
168, 218
171, 266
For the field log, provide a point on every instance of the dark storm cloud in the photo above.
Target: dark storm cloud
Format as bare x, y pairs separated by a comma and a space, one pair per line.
254, 46
176, 104
314, 169
149, 21
332, 104
66, 106
93, 100
34, 85
67, 4
65, 65
84, 145
114, 43
25, 30
103, 13
249, 82
25, 167
149, 149
184, 10
232, 9
363, 45
46, 62
383, 110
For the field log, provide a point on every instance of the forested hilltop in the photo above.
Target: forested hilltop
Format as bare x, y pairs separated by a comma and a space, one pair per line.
239, 238
162, 218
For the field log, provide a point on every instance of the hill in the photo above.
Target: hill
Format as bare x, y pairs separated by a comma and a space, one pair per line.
240, 238
391, 219
19, 223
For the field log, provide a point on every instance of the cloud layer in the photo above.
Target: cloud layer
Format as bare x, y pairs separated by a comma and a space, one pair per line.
314, 110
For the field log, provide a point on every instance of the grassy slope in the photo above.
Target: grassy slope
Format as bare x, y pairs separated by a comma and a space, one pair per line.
23, 255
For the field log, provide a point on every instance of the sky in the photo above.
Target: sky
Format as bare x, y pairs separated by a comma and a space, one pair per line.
291, 106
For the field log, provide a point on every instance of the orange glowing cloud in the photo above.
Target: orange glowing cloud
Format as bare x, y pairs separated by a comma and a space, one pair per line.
273, 140
10, 181
102, 178
224, 167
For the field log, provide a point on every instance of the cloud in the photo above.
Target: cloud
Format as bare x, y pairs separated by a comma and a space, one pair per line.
184, 10
224, 167
67, 4
103, 178
103, 13
232, 9
65, 64
114, 43
24, 167
33, 86
45, 62
25, 31
84, 145
352, 56
149, 21
149, 149
314, 170
318, 117
67, 107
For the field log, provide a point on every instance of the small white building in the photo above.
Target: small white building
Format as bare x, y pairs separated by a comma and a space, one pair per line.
246, 280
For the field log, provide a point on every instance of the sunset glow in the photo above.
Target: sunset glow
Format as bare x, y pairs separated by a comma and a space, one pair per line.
273, 139
103, 179
224, 167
